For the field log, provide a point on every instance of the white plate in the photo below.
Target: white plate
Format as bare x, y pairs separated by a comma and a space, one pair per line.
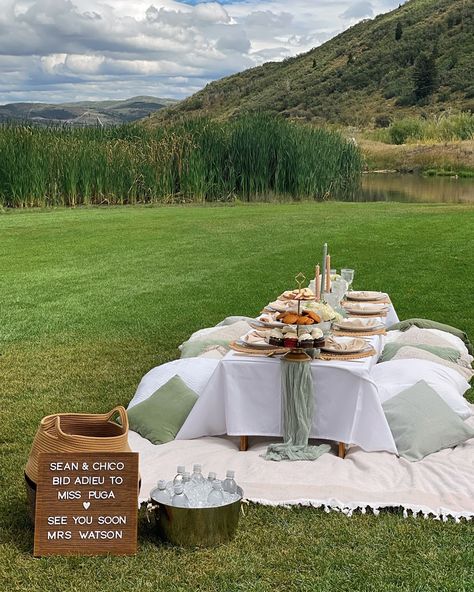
344, 345
359, 324
365, 307
362, 295
260, 343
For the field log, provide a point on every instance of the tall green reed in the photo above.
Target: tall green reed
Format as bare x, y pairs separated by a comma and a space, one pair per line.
252, 158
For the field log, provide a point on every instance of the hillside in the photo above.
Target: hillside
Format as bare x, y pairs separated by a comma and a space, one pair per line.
363, 74
84, 113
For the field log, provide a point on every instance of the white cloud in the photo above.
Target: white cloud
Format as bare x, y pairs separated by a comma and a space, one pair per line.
74, 49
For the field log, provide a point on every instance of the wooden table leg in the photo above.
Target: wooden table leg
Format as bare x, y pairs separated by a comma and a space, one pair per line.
244, 443
342, 450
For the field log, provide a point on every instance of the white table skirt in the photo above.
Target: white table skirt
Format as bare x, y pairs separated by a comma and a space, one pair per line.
243, 397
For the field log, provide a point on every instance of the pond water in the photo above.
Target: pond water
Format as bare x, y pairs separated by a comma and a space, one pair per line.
415, 188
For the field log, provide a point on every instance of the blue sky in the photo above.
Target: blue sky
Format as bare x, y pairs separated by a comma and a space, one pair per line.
66, 50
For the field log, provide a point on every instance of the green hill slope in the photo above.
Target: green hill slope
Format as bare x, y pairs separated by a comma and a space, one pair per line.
364, 73
86, 112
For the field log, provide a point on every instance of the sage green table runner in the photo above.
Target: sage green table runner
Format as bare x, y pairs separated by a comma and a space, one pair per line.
298, 408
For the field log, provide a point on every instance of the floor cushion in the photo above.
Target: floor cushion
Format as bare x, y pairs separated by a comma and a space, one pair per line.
429, 324
422, 423
160, 417
418, 353
195, 372
396, 376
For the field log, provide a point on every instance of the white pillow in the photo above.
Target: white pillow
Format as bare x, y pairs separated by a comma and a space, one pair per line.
395, 376
409, 352
453, 341
195, 372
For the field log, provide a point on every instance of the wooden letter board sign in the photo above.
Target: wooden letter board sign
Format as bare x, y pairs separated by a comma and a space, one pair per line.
86, 504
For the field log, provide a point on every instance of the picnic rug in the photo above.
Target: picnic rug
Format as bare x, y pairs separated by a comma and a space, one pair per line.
441, 486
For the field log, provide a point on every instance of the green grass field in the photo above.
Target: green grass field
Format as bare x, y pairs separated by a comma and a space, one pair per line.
91, 299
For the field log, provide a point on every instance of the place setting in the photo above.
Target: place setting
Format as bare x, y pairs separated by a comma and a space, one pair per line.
346, 348
361, 308
359, 327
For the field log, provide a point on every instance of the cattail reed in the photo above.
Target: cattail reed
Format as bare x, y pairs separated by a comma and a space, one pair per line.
252, 158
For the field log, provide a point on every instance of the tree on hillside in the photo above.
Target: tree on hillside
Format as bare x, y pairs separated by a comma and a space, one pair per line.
424, 76
398, 31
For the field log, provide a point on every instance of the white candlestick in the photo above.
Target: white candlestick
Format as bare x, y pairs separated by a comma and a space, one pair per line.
328, 273
317, 283
323, 273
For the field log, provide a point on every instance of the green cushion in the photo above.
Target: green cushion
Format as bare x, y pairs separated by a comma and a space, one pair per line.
161, 416
427, 324
422, 423
447, 353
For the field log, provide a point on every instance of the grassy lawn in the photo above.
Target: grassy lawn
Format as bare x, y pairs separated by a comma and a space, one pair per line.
91, 299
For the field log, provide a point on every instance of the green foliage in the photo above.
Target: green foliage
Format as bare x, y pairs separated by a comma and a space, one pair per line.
424, 76
349, 78
383, 121
252, 157
398, 31
445, 128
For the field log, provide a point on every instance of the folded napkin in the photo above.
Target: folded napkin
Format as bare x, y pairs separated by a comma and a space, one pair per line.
255, 337
342, 346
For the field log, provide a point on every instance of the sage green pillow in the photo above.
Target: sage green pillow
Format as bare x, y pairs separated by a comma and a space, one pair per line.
422, 423
450, 354
428, 324
161, 416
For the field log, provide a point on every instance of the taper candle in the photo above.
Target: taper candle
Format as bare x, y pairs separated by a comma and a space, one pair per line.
317, 283
323, 272
328, 273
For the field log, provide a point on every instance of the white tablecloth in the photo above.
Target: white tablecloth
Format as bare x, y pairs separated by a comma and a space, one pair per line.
243, 397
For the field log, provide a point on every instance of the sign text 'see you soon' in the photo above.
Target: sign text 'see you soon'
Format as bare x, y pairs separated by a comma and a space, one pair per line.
86, 504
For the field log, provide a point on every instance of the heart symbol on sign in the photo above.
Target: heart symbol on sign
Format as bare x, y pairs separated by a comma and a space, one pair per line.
86, 505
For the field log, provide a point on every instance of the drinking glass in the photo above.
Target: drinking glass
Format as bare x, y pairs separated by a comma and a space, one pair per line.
348, 276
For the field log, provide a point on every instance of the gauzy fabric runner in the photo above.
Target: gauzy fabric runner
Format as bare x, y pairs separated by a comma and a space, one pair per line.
297, 415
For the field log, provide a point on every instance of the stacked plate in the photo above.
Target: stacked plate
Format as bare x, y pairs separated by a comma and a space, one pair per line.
345, 345
366, 308
256, 340
365, 295
358, 324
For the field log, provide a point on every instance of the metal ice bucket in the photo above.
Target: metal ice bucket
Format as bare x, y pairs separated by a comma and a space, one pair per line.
197, 527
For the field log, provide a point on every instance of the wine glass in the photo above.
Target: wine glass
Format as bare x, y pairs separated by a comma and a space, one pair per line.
348, 276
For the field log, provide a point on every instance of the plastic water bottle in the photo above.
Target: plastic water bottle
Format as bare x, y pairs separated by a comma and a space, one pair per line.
186, 477
179, 478
229, 483
197, 476
180, 499
216, 495
212, 477
163, 494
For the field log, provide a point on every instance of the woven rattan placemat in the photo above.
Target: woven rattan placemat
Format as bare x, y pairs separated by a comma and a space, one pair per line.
381, 301
341, 333
251, 351
365, 354
364, 314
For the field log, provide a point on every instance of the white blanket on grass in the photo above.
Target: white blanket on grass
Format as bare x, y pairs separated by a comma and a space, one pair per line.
441, 485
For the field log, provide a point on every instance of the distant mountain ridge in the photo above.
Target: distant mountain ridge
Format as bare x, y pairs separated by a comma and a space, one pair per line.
363, 75
84, 113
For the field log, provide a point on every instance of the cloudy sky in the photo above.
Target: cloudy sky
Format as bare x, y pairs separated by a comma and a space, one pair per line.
66, 50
